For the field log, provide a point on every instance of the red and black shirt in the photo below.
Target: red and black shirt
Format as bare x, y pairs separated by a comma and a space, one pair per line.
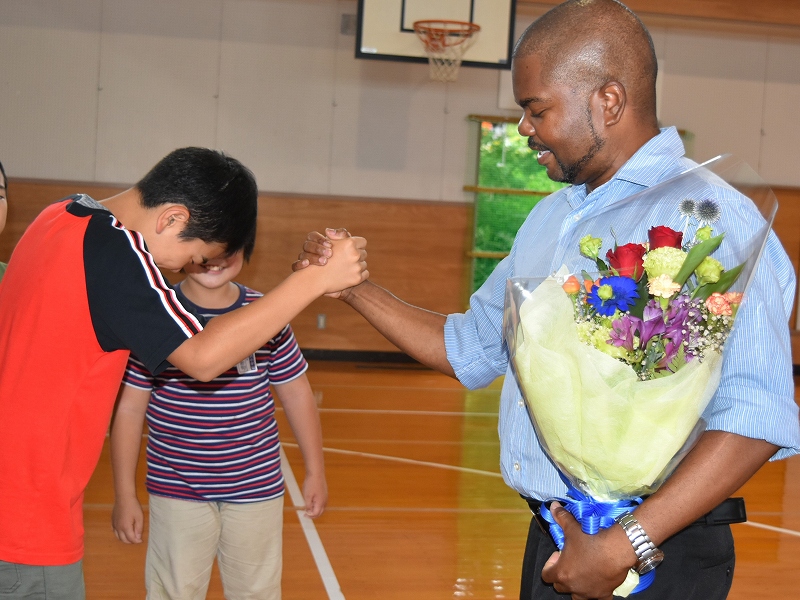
80, 293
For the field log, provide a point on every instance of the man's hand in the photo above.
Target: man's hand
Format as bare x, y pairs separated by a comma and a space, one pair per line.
317, 249
589, 566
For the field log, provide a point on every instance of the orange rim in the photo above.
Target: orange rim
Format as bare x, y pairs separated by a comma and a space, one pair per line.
440, 33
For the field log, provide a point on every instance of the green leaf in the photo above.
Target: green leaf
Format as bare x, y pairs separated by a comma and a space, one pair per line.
726, 280
601, 266
674, 365
696, 256
637, 310
679, 360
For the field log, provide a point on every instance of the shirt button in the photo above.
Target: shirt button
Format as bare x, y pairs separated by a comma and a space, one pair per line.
576, 218
521, 402
516, 466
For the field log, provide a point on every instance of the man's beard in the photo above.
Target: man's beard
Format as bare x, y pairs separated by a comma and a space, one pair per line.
569, 172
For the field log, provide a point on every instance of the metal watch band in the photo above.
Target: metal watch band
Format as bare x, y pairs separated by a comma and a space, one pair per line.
647, 555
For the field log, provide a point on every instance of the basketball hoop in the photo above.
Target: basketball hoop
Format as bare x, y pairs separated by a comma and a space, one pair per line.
445, 43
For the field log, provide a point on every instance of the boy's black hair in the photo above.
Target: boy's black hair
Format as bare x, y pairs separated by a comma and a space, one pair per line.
219, 192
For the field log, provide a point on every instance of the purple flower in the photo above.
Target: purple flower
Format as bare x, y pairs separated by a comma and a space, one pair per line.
682, 313
671, 348
652, 322
623, 331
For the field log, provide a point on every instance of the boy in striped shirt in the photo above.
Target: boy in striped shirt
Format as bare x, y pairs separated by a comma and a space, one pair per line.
213, 456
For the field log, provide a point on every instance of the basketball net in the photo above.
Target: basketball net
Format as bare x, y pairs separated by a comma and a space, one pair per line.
445, 44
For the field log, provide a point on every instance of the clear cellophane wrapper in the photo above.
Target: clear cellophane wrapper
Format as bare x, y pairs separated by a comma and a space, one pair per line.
610, 434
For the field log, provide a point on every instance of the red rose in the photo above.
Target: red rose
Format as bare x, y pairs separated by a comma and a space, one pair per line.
627, 260
662, 236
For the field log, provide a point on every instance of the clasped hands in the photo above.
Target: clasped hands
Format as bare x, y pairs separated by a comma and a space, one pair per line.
318, 248
590, 567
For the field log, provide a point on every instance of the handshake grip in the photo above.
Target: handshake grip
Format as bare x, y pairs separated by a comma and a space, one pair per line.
343, 256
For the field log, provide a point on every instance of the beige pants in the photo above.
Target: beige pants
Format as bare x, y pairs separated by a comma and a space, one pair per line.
184, 538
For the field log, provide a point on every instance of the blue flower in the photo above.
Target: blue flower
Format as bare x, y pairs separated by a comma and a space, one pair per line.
613, 293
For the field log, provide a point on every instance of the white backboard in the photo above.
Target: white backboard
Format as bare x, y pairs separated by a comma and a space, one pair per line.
385, 29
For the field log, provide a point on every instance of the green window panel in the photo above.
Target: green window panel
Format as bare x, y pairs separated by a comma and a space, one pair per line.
510, 183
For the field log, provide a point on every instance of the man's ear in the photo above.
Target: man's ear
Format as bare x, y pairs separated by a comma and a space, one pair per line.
613, 99
172, 215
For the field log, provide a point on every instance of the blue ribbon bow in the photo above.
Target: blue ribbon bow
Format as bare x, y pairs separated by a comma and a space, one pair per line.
593, 516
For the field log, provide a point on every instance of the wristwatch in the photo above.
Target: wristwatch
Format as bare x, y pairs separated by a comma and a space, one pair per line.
648, 556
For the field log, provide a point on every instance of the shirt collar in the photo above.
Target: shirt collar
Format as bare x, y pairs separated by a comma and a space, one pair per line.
645, 168
650, 162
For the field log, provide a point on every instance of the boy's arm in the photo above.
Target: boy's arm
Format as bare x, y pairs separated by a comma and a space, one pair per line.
127, 518
301, 411
231, 337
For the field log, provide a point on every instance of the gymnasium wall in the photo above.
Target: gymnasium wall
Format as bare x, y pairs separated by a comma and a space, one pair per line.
99, 90
417, 249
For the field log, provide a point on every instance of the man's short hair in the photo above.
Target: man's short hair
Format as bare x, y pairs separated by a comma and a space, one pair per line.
3, 173
219, 192
587, 43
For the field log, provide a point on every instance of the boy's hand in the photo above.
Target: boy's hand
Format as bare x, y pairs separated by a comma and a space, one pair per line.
127, 520
315, 495
346, 267
318, 250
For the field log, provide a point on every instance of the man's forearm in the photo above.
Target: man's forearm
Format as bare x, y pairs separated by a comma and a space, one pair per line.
718, 465
416, 331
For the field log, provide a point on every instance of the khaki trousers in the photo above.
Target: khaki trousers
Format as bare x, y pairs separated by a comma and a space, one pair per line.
185, 536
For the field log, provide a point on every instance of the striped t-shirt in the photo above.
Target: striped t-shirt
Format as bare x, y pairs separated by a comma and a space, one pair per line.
218, 441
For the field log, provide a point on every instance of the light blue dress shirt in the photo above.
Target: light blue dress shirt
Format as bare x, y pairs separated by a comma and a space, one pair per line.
756, 394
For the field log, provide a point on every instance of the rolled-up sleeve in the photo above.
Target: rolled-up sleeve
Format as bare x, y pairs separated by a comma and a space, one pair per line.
755, 398
474, 340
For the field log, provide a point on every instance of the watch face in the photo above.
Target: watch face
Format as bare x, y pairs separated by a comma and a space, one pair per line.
651, 562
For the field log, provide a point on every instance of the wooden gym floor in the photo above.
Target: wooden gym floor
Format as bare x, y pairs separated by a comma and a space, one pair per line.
417, 508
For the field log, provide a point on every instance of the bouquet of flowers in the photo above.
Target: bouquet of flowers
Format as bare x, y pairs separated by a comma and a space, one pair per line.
619, 353
660, 305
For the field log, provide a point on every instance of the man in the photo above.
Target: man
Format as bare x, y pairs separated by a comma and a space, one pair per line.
584, 75
82, 291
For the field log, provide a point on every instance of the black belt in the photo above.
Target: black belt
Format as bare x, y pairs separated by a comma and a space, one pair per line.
730, 511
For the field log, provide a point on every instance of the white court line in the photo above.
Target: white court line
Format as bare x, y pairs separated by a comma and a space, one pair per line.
408, 442
772, 528
409, 461
493, 474
427, 413
312, 537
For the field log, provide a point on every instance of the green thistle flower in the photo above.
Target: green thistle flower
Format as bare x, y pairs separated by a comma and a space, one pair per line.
707, 211
686, 207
